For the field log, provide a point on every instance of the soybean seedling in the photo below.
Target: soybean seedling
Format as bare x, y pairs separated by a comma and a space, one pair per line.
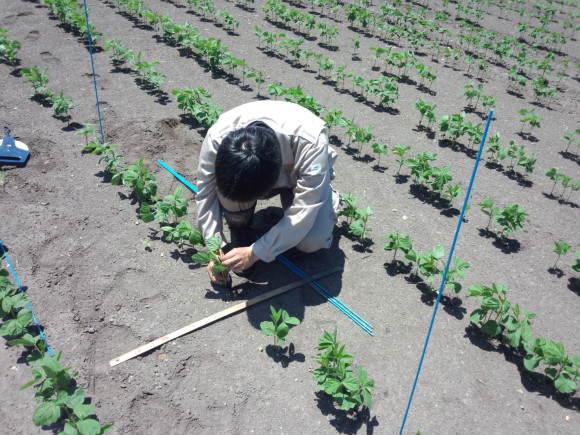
213, 246
488, 208
349, 210
511, 219
398, 241
379, 149
400, 151
62, 105
278, 327
88, 129
335, 375
560, 248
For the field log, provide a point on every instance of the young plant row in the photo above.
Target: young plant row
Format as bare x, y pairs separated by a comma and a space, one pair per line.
499, 318
510, 219
568, 183
335, 375
210, 50
39, 80
275, 11
62, 401
207, 7
496, 317
435, 181
384, 88
8, 48
145, 71
429, 264
515, 153
72, 17
167, 210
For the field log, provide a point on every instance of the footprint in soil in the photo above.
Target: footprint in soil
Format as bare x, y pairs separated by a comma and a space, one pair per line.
47, 57
32, 36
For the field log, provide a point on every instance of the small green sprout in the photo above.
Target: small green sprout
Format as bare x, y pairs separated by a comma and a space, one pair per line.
278, 327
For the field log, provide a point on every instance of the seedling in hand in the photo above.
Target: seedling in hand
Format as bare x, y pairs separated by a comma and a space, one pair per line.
278, 327
213, 254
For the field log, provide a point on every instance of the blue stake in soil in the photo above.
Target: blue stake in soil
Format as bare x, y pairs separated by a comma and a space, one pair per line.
444, 278
179, 177
94, 75
5, 255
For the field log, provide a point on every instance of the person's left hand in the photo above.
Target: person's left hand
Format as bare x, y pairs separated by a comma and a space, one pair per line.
239, 258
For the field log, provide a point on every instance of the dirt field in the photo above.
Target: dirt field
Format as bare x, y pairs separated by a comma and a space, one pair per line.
79, 247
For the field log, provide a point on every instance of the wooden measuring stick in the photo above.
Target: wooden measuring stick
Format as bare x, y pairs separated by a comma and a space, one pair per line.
217, 316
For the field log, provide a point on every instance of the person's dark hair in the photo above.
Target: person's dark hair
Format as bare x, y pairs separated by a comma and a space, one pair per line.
248, 163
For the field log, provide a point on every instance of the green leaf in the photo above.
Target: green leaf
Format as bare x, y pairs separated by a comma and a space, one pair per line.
12, 328
201, 257
477, 315
83, 411
438, 252
145, 213
282, 331
89, 426
267, 328
46, 414
292, 321
69, 430
25, 340
564, 384
351, 383
331, 386
213, 243
531, 361
491, 328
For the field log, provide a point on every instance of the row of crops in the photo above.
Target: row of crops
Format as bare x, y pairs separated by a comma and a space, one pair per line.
531, 61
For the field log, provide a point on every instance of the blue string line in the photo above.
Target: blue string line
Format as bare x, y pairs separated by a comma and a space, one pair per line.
5, 255
444, 278
94, 75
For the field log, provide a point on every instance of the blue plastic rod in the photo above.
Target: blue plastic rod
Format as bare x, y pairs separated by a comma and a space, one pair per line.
5, 255
444, 278
179, 177
367, 327
89, 38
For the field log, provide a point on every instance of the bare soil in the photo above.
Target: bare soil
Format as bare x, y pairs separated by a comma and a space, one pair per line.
78, 246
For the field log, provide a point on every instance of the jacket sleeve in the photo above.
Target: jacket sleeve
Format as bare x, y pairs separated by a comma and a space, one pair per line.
207, 204
313, 179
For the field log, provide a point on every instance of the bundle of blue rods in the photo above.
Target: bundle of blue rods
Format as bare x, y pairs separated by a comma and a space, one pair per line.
367, 327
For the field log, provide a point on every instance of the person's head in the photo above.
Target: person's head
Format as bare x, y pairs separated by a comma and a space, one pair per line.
248, 163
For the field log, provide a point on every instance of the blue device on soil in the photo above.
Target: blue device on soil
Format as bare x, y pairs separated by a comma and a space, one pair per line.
12, 152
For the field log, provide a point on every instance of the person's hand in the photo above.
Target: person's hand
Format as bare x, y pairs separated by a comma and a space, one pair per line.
239, 258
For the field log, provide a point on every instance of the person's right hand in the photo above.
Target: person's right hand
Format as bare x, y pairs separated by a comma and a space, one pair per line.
219, 279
